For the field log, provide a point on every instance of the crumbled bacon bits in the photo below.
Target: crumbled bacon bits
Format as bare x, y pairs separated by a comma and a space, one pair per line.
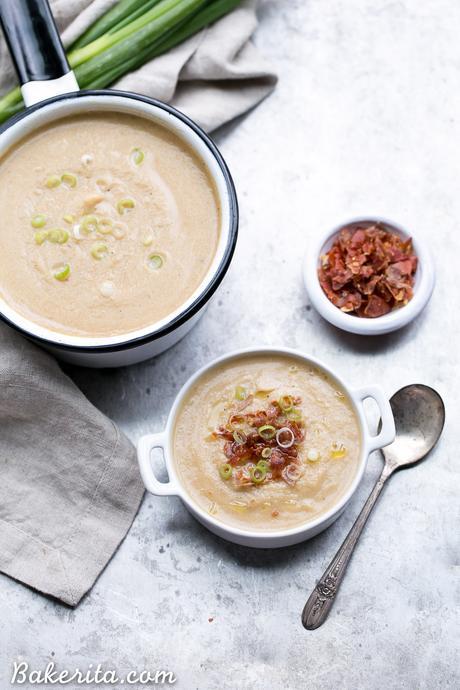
369, 270
258, 438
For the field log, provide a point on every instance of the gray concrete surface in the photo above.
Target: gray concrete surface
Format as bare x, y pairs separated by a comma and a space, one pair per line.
366, 119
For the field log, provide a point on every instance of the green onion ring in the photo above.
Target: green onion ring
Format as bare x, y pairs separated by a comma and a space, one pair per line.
38, 221
286, 403
267, 431
279, 434
62, 272
155, 262
53, 181
241, 393
89, 224
137, 156
99, 250
226, 470
58, 236
124, 205
257, 474
69, 179
239, 437
295, 415
104, 226
40, 236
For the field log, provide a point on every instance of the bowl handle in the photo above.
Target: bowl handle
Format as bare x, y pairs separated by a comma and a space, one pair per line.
144, 447
387, 432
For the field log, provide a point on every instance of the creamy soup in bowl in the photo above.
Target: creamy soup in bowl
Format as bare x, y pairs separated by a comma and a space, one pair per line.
109, 223
120, 222
266, 447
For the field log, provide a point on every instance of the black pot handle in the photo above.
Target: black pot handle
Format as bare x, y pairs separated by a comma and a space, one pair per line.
36, 49
33, 40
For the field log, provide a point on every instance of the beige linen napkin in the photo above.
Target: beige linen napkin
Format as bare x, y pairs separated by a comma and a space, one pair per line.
213, 77
69, 481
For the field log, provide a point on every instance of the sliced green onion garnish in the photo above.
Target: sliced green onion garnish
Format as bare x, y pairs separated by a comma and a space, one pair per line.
264, 465
226, 470
295, 415
285, 437
155, 262
267, 431
88, 224
266, 452
69, 179
53, 181
103, 185
124, 205
118, 232
99, 250
241, 393
69, 219
286, 403
62, 272
137, 156
239, 437
38, 221
104, 226
147, 241
58, 236
40, 236
257, 474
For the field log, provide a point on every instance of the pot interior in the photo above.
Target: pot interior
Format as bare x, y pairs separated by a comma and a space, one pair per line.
131, 104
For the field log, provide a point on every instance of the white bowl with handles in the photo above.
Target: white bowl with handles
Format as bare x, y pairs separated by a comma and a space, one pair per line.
270, 538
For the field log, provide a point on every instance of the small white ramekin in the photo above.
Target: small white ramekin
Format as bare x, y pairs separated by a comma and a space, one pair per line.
423, 287
257, 538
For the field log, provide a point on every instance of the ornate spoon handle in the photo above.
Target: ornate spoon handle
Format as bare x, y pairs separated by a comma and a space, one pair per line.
323, 596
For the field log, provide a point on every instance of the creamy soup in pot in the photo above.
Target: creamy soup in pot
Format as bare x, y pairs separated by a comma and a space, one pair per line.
266, 442
109, 224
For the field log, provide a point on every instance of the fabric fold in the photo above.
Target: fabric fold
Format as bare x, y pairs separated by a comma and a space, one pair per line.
69, 481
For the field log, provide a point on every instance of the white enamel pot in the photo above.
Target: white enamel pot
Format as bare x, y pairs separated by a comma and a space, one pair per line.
50, 92
256, 538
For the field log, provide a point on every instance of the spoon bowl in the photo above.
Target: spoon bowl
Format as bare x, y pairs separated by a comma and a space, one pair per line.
419, 416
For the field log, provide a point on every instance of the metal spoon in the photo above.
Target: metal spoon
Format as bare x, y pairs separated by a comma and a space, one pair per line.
419, 418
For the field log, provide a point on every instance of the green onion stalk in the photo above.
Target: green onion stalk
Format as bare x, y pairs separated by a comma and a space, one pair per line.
132, 33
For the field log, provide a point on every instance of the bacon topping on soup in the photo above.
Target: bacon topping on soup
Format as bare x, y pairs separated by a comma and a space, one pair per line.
368, 271
262, 445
